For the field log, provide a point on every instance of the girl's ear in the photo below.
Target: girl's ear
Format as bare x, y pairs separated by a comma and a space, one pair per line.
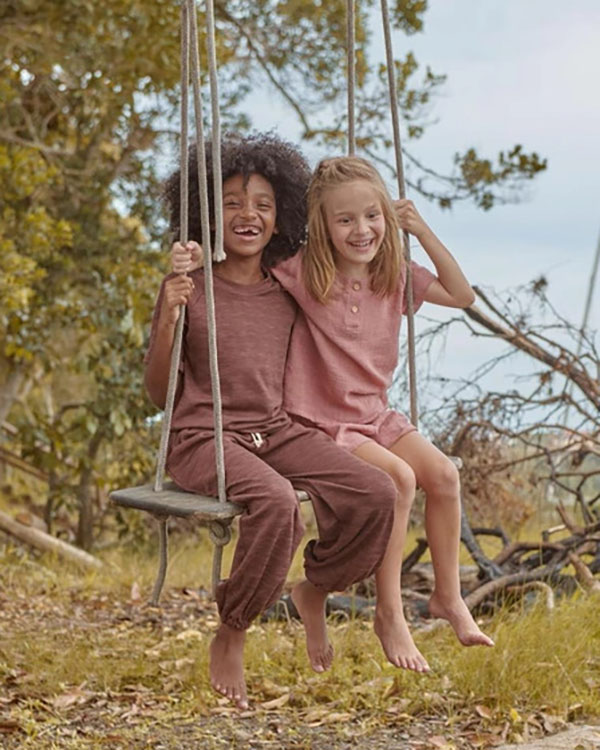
276, 230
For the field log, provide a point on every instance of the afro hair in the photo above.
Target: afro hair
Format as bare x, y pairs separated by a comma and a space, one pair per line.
278, 161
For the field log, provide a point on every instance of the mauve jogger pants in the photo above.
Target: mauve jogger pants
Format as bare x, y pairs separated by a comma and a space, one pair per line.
353, 504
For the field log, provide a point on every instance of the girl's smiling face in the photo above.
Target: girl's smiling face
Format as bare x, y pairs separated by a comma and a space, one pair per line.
249, 215
356, 226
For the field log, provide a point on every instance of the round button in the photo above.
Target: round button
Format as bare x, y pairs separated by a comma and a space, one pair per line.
354, 309
356, 285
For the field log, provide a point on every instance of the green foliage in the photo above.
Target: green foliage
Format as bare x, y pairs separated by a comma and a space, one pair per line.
32, 243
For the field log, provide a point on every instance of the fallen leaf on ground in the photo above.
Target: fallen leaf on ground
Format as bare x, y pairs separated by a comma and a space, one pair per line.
283, 700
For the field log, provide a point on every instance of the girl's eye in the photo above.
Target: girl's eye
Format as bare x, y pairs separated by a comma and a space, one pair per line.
265, 206
231, 204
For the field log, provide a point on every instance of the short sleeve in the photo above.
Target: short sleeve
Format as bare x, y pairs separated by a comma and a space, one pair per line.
289, 273
421, 279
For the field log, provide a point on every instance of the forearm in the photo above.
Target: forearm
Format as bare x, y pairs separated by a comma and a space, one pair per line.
156, 375
449, 273
175, 293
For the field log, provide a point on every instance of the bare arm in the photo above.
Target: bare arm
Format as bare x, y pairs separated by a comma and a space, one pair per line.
156, 376
451, 288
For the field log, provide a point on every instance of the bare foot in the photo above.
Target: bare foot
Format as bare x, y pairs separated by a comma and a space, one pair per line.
458, 615
226, 665
310, 603
396, 640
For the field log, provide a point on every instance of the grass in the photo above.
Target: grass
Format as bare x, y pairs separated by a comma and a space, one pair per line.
73, 642
541, 659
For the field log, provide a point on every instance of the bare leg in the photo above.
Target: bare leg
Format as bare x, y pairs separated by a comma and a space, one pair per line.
390, 624
439, 479
310, 603
227, 666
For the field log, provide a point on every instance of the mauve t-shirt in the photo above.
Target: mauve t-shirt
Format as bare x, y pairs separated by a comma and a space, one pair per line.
343, 353
254, 324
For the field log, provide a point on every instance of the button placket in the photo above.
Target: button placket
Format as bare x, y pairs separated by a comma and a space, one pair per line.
352, 313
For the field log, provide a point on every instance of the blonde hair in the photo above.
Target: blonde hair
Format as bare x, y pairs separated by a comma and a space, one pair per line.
318, 262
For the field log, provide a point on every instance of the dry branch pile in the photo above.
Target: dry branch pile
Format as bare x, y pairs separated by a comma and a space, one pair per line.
563, 565
530, 447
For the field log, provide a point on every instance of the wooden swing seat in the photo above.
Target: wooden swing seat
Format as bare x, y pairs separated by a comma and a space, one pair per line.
173, 501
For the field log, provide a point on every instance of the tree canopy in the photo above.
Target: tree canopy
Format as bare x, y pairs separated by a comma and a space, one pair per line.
90, 96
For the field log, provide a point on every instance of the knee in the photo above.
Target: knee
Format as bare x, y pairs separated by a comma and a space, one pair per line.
277, 511
276, 496
443, 480
383, 491
282, 498
405, 482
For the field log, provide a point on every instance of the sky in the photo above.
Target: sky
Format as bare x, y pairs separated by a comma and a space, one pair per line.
518, 71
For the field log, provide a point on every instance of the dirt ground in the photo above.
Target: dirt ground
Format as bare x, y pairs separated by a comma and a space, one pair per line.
574, 738
82, 731
93, 711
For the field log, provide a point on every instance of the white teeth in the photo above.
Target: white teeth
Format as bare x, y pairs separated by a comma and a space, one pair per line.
254, 231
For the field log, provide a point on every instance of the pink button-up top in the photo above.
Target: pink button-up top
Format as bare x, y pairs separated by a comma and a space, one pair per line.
343, 353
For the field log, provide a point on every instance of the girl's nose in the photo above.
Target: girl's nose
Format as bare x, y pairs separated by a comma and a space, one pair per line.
362, 227
248, 210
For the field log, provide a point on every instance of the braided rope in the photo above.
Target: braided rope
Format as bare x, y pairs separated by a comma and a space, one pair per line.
183, 221
205, 214
351, 73
389, 53
219, 253
189, 48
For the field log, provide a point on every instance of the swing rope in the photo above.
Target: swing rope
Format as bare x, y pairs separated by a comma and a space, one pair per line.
183, 224
412, 368
189, 47
351, 74
393, 96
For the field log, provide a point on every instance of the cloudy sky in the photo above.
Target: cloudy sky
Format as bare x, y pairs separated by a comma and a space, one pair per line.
519, 71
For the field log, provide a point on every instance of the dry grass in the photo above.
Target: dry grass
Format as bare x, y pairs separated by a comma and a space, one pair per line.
80, 646
541, 659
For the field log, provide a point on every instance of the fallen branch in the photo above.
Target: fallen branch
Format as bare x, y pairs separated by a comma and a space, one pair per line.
515, 550
413, 558
499, 584
584, 574
540, 586
41, 540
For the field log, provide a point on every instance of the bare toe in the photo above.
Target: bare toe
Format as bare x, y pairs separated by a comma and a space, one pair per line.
460, 618
226, 665
397, 642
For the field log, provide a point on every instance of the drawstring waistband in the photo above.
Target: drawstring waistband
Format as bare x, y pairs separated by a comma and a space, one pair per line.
257, 439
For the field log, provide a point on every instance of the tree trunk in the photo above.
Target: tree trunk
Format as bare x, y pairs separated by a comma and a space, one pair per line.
85, 496
43, 541
10, 390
